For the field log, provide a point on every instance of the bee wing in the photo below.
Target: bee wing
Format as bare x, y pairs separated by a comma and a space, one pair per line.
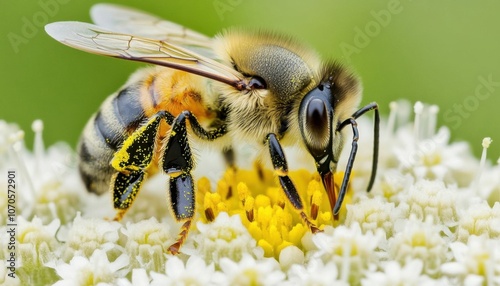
130, 21
96, 40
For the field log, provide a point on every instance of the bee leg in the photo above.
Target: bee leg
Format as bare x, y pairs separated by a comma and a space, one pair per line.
125, 188
177, 161
354, 147
131, 161
182, 197
281, 168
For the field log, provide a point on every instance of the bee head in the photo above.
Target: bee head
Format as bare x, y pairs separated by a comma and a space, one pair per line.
321, 111
275, 67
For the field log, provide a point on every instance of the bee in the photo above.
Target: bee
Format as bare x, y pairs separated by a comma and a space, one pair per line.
240, 86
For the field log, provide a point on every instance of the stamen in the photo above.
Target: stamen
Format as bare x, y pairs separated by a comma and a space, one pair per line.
38, 146
315, 203
249, 204
221, 207
243, 192
16, 141
280, 201
432, 120
393, 106
486, 144
209, 214
314, 211
418, 109
208, 205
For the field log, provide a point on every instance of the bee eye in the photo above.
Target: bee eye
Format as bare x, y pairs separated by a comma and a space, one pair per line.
257, 83
317, 124
316, 116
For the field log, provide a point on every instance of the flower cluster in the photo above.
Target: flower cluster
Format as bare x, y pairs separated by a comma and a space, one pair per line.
432, 218
263, 207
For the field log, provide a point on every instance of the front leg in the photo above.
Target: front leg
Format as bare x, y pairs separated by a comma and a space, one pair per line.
281, 168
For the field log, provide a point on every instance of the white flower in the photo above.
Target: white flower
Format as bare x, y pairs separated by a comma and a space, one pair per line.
475, 263
489, 185
485, 187
7, 130
96, 270
249, 271
290, 255
430, 198
315, 273
418, 226
36, 247
8, 275
224, 237
58, 188
394, 275
139, 278
147, 242
87, 235
371, 214
479, 219
352, 251
34, 236
418, 150
194, 272
419, 240
434, 158
393, 184
50, 182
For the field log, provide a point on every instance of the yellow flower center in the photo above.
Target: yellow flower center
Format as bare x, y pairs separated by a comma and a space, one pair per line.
256, 196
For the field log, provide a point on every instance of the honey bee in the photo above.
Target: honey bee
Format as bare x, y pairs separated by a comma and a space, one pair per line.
240, 86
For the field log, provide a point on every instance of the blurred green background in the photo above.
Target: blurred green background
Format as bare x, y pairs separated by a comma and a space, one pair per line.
440, 52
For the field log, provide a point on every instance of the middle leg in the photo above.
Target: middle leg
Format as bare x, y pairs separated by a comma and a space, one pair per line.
177, 162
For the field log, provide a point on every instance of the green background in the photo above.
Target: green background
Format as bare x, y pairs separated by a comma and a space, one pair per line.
432, 51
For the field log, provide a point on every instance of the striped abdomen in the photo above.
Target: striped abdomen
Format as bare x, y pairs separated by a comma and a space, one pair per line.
148, 91
104, 134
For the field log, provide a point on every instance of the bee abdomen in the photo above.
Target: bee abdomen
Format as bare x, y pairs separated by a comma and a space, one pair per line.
118, 116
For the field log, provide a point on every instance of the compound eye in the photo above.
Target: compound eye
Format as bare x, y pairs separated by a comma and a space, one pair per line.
317, 125
257, 83
317, 118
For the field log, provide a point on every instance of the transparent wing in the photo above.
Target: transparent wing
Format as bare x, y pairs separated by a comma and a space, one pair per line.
96, 40
130, 21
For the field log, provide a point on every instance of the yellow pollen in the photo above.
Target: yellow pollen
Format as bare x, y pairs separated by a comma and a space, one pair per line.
264, 208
